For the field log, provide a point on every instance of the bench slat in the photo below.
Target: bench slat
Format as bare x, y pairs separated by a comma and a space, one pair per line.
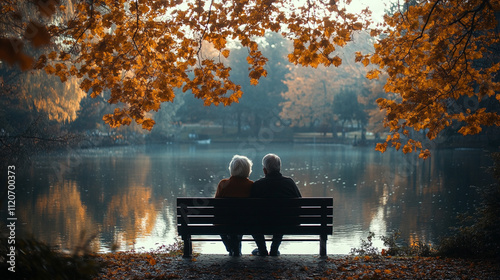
243, 202
246, 211
254, 220
252, 240
267, 230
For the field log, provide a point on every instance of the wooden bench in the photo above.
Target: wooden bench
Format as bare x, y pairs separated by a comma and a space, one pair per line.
247, 216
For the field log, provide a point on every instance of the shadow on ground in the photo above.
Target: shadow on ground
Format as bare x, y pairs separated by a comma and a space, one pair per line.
253, 267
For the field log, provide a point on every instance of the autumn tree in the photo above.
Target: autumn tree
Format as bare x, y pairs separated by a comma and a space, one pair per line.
374, 89
309, 96
438, 54
167, 121
260, 103
316, 97
348, 109
142, 50
34, 107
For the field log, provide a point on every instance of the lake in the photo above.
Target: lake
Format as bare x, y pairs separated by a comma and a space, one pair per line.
126, 195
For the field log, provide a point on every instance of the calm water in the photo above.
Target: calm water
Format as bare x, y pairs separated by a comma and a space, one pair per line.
126, 195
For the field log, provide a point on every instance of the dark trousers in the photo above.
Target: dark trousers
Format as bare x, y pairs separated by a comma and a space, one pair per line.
232, 243
260, 240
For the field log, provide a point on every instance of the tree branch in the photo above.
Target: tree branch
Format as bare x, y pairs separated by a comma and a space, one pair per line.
423, 28
137, 26
72, 50
206, 27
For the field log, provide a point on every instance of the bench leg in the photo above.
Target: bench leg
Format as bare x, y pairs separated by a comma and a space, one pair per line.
322, 245
188, 246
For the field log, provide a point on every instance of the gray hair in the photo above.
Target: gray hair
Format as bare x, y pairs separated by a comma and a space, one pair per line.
272, 163
240, 166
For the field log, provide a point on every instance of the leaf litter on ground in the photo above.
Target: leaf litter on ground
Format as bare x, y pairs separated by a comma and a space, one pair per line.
158, 265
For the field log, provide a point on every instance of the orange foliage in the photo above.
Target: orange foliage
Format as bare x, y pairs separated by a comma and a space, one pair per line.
43, 93
140, 51
436, 53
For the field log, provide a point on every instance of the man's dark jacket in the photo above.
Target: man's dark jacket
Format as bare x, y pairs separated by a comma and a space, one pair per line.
275, 185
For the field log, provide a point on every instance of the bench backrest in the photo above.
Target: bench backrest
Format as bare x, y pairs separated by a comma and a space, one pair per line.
308, 216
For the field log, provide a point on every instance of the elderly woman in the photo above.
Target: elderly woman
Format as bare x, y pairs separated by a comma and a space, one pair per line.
238, 185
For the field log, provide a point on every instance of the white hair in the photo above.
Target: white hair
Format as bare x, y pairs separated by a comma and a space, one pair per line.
240, 166
272, 163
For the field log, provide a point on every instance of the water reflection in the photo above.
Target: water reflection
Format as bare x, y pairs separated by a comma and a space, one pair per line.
127, 195
59, 214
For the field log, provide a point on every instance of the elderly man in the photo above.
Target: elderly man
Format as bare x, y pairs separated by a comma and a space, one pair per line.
273, 185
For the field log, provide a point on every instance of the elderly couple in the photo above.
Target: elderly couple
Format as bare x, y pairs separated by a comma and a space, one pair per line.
273, 185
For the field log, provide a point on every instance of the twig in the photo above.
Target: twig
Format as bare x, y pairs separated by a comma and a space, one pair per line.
137, 25
86, 28
206, 27
423, 28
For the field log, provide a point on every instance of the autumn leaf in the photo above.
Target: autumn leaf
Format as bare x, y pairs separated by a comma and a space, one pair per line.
358, 57
381, 147
407, 148
337, 61
148, 124
219, 43
151, 260
373, 74
49, 69
365, 61
375, 32
424, 154
254, 82
358, 26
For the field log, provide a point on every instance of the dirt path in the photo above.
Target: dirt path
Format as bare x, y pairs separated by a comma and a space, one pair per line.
204, 267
